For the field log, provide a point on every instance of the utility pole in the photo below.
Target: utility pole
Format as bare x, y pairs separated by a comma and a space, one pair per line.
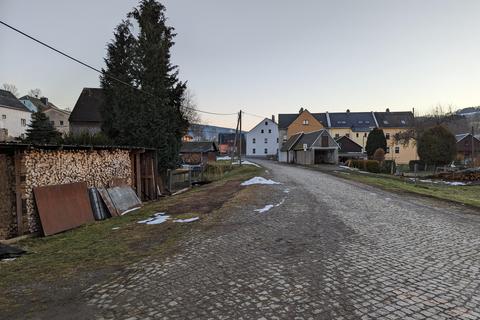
473, 148
235, 141
240, 149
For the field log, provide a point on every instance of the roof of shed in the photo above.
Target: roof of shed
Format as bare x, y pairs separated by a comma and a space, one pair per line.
198, 146
347, 145
291, 142
8, 100
400, 119
88, 106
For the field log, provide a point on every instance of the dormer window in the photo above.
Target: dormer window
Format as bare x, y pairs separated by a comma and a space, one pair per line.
305, 122
385, 122
266, 123
403, 121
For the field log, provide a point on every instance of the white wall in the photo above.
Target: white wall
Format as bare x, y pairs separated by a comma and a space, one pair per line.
270, 132
13, 122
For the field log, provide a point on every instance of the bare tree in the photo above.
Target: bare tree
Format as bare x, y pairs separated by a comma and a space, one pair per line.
11, 88
189, 107
36, 93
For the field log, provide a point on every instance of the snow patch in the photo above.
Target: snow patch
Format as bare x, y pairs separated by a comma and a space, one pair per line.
448, 183
286, 191
259, 180
157, 218
187, 220
265, 209
115, 228
246, 162
280, 203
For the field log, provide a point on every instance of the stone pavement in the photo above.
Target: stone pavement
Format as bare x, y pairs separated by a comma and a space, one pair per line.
331, 249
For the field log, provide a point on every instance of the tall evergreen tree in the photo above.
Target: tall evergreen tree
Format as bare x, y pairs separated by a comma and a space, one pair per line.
41, 130
152, 117
376, 139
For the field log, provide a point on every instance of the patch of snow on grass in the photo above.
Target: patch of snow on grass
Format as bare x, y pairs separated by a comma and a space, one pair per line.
246, 162
286, 191
157, 218
280, 203
265, 209
187, 220
259, 180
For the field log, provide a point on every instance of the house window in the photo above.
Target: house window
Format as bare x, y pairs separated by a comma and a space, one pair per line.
23, 122
337, 135
387, 136
61, 122
347, 135
284, 138
266, 140
262, 131
305, 122
265, 150
253, 150
277, 140
388, 150
269, 130
4, 116
253, 140
266, 123
397, 149
365, 134
357, 135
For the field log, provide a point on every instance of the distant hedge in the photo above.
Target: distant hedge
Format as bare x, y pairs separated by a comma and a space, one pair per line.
366, 165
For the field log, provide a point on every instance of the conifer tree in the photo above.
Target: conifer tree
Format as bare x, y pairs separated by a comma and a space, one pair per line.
152, 116
376, 139
41, 130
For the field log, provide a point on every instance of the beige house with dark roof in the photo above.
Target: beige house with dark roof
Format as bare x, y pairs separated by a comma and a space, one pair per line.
58, 117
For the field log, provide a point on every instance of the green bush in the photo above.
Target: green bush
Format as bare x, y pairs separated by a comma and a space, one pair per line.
366, 165
386, 166
86, 139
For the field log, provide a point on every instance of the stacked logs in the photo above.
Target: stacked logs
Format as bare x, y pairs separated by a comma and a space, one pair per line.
463, 175
51, 167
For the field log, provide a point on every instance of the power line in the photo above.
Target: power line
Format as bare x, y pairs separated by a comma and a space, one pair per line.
254, 115
99, 71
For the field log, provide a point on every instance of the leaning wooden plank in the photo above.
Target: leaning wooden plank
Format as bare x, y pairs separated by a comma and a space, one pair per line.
108, 202
63, 207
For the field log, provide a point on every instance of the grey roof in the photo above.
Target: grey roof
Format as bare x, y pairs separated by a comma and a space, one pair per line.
402, 119
308, 139
461, 136
8, 100
288, 145
285, 119
358, 121
347, 145
88, 106
198, 146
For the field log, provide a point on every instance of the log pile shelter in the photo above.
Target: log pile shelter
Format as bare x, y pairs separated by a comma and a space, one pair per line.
316, 147
198, 152
24, 167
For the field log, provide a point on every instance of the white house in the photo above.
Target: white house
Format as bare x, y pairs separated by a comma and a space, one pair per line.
262, 140
14, 117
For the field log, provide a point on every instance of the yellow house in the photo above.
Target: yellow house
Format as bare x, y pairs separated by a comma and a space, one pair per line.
396, 122
356, 126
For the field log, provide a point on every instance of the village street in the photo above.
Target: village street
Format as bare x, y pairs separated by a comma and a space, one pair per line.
331, 250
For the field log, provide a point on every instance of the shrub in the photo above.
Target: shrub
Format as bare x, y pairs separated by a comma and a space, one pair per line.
421, 164
437, 146
366, 165
386, 166
379, 155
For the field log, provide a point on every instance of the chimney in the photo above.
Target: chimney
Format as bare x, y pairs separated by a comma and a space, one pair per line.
273, 117
348, 110
388, 110
44, 100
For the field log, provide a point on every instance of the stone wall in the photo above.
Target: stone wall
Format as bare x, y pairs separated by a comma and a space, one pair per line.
8, 222
51, 167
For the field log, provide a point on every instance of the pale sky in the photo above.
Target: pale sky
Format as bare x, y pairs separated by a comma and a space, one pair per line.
266, 56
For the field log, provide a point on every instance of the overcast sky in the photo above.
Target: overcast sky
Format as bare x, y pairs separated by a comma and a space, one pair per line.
266, 56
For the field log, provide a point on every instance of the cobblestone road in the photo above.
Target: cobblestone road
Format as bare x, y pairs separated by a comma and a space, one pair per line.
331, 250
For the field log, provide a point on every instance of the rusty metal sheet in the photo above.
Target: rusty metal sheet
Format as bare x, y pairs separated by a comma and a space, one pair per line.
124, 198
108, 202
63, 207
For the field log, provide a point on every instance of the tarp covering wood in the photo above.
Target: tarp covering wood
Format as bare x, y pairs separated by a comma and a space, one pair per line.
63, 207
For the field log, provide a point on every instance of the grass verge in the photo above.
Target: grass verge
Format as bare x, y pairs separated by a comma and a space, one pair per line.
468, 195
108, 245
